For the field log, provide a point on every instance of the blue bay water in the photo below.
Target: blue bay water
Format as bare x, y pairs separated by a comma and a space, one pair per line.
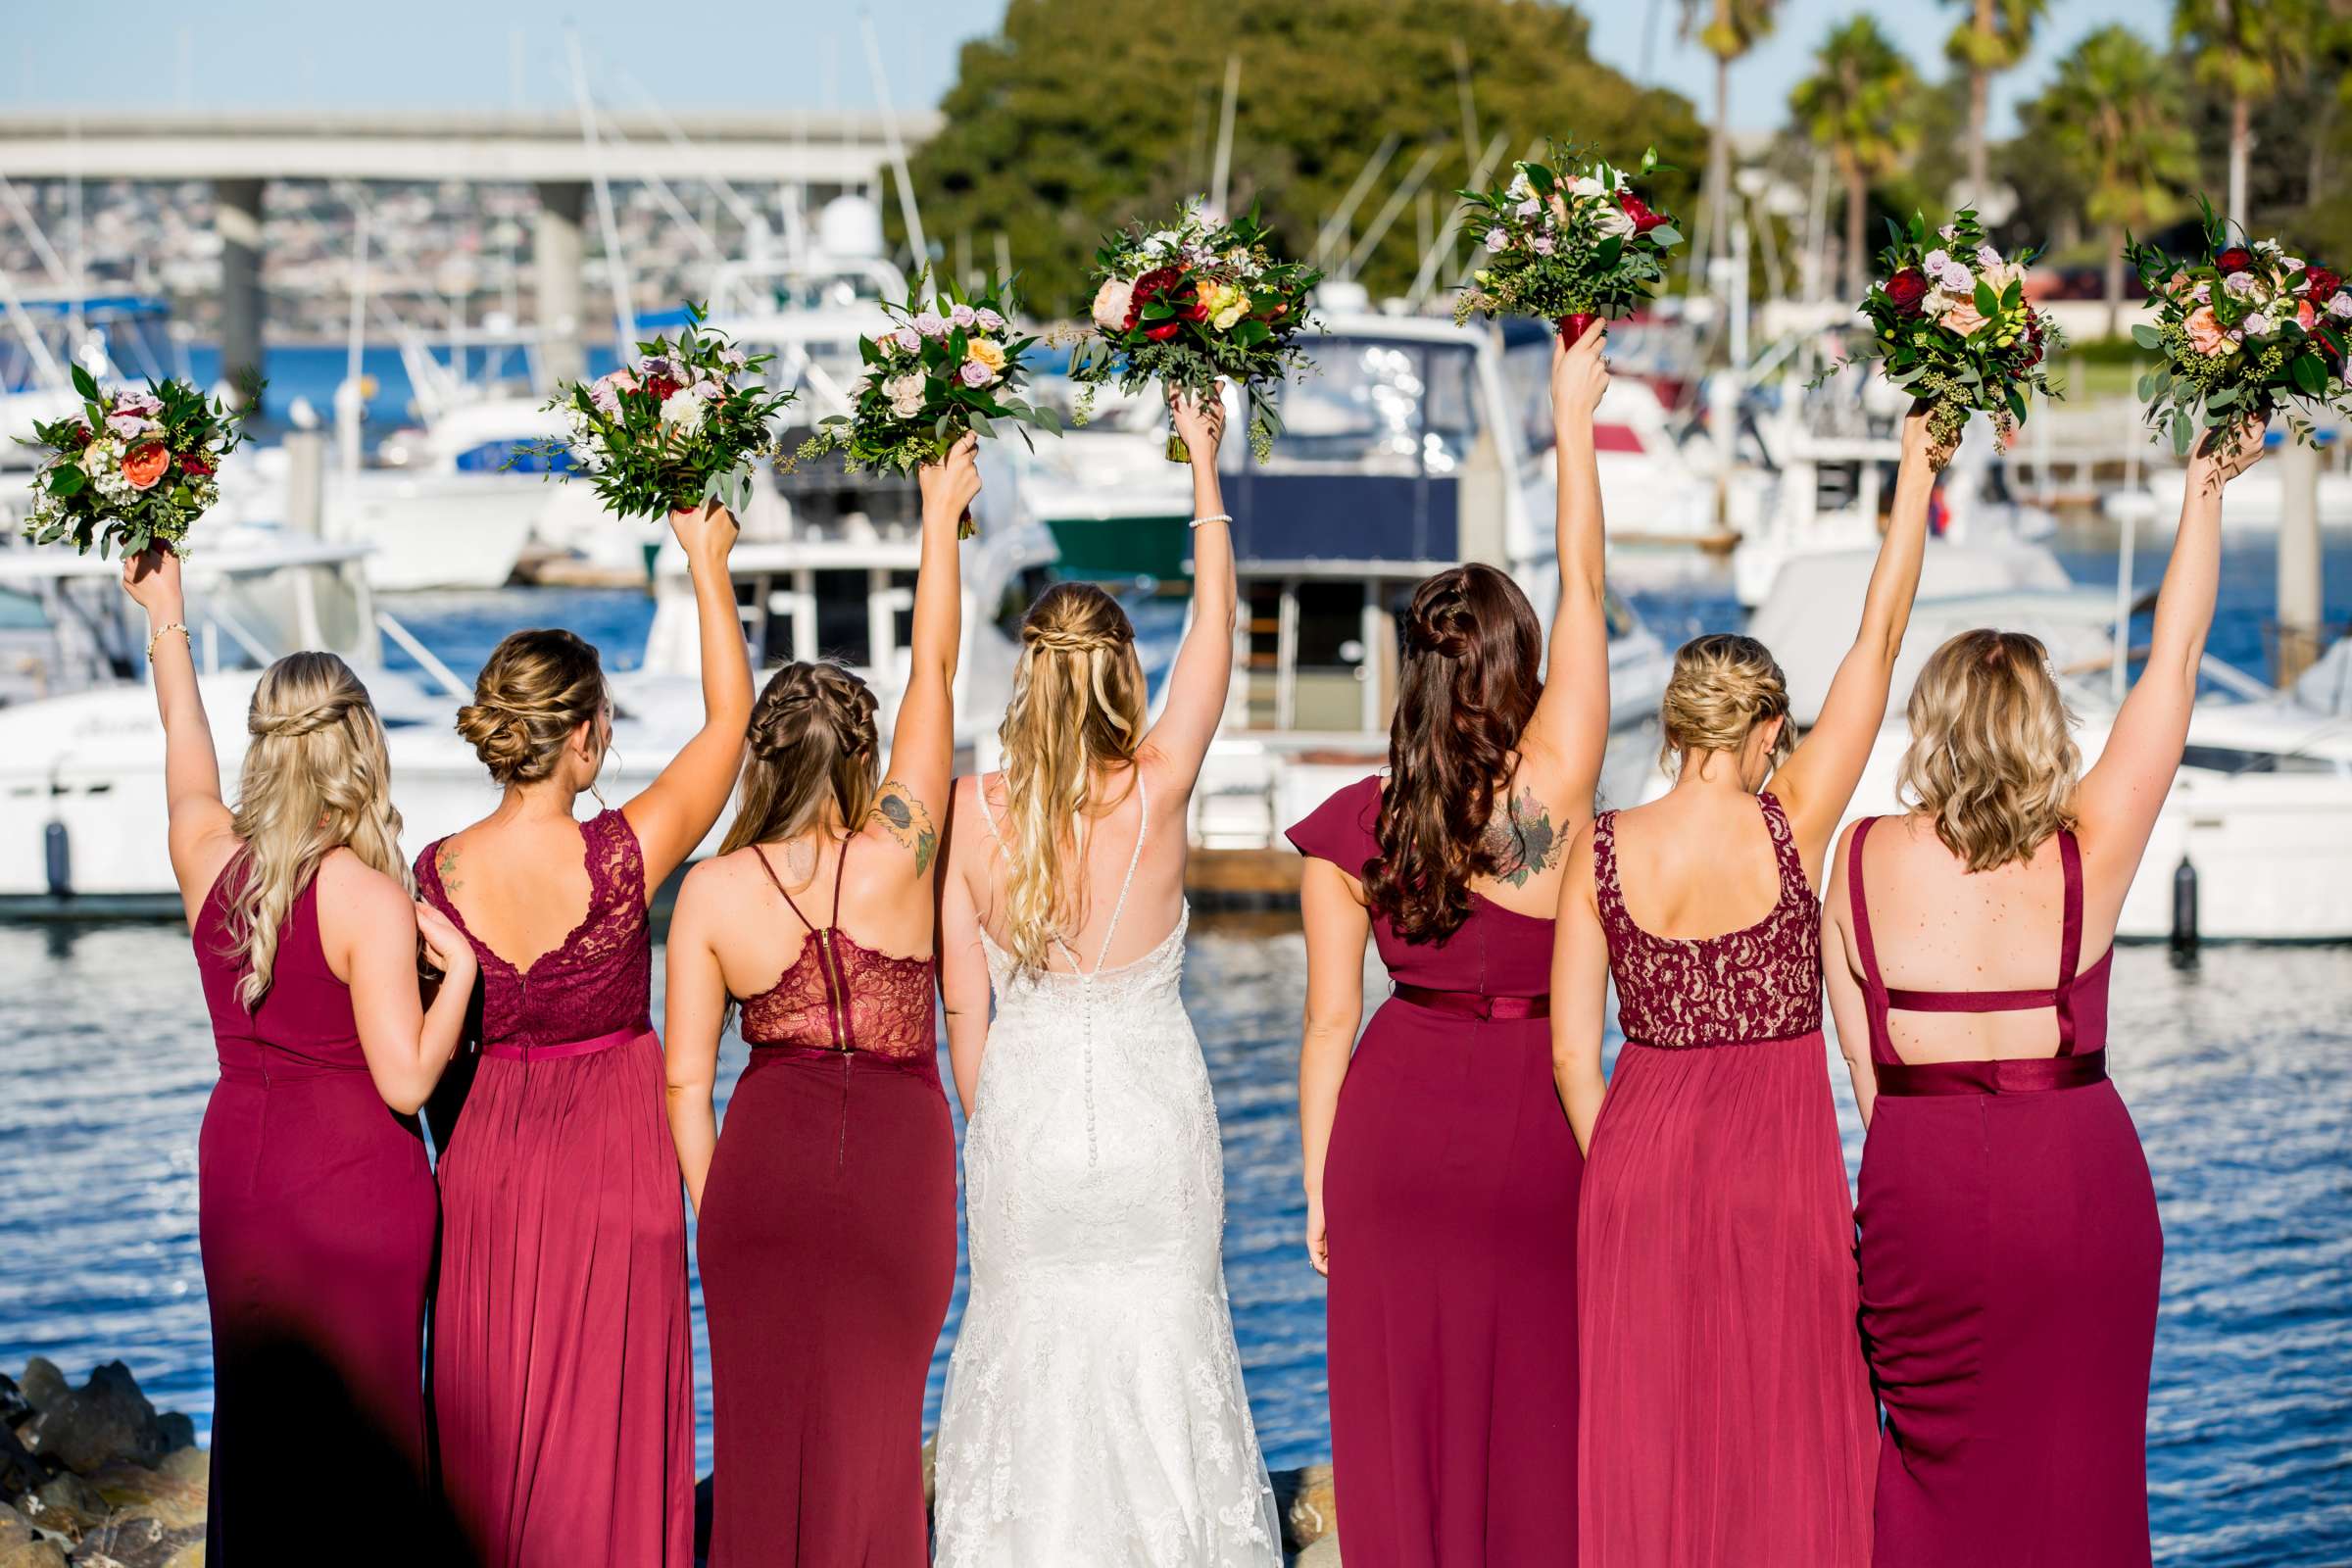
2235, 1070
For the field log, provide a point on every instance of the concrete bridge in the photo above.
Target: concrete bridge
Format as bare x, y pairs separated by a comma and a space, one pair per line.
240, 152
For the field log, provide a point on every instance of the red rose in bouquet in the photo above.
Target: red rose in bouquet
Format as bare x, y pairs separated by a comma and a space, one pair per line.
1161, 284
659, 387
2236, 258
81, 435
195, 463
1635, 207
1906, 288
2319, 285
144, 464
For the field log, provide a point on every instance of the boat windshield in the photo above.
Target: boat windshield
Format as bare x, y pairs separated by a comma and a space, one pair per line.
1382, 406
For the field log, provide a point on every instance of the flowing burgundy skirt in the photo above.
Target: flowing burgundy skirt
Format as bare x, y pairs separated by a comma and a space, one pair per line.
563, 1369
316, 1215
1449, 1194
1726, 1412
828, 1251
2011, 1256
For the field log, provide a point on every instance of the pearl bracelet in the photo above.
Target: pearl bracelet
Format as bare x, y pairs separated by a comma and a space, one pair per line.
1219, 516
161, 632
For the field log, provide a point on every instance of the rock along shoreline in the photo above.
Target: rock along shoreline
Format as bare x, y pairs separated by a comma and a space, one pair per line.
93, 1476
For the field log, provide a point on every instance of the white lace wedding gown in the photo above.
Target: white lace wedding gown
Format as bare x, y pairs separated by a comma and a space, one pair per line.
1093, 1415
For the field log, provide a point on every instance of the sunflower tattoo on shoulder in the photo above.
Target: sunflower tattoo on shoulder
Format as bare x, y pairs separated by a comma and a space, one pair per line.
904, 818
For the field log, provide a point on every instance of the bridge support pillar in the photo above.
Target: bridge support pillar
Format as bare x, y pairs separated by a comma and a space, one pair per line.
558, 255
237, 220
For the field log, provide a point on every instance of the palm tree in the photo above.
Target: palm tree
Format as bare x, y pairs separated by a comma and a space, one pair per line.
1856, 105
1995, 36
2115, 119
1726, 29
2241, 48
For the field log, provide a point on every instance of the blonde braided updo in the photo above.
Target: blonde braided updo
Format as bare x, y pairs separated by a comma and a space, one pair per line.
1723, 686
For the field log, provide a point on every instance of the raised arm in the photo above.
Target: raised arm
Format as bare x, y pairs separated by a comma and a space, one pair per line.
202, 833
694, 1008
369, 926
2119, 799
963, 985
1571, 723
1579, 994
1337, 928
914, 797
1848, 1004
670, 815
1204, 668
1816, 781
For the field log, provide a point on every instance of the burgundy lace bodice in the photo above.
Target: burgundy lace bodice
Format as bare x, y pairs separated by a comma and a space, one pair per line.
599, 979
840, 995
1760, 983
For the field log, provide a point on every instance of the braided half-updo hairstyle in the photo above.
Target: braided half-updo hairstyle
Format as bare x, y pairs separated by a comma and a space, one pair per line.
1467, 684
316, 780
815, 757
1078, 709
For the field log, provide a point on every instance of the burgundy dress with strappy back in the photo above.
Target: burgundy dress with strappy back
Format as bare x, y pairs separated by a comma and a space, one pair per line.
2011, 1256
827, 1242
316, 1213
562, 1367
1449, 1195
1726, 1412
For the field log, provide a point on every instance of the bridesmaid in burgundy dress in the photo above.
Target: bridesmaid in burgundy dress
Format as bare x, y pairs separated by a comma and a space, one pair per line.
828, 1208
315, 1206
1440, 1176
1726, 1412
2010, 1243
562, 1371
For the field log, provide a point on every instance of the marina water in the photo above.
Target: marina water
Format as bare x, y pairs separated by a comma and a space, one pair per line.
2238, 1072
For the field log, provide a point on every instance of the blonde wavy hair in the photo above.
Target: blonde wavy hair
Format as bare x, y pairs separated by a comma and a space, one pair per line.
537, 687
316, 780
813, 751
1992, 758
1077, 708
1723, 686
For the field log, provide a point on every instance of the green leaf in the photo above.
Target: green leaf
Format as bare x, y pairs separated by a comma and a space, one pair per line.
68, 479
2305, 370
84, 384
1989, 304
1665, 236
2146, 336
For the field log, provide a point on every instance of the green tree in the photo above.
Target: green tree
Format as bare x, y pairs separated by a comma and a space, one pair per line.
1995, 36
1857, 104
2241, 48
2112, 118
1078, 116
1726, 29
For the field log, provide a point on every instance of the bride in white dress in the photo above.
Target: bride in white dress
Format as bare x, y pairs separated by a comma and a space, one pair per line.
1093, 1415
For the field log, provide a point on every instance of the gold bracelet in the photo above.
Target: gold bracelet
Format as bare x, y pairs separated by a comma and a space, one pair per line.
161, 632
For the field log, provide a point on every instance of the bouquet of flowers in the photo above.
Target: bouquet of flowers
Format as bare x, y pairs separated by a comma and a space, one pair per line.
1951, 323
678, 428
133, 470
952, 366
1193, 304
2245, 330
1569, 248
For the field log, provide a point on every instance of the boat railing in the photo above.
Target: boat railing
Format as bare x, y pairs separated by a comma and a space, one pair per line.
427, 660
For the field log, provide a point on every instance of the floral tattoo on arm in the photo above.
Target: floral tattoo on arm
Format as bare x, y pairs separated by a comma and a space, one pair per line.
1521, 840
903, 816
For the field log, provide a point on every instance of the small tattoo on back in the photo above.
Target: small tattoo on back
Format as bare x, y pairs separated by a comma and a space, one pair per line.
445, 866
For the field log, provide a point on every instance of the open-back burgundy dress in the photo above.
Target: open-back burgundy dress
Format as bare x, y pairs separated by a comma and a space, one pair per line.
828, 1251
1450, 1198
562, 1368
315, 1215
1727, 1411
2011, 1259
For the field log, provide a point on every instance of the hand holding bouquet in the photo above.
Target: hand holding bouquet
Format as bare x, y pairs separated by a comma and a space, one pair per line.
133, 470
2246, 331
1951, 323
1194, 304
1570, 248
950, 368
678, 429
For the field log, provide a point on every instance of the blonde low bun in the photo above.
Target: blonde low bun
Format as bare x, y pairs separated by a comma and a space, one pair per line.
1723, 686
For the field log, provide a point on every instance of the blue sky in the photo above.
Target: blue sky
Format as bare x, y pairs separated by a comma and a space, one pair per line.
254, 54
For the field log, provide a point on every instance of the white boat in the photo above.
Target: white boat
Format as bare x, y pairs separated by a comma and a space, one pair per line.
2260, 808
2252, 503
